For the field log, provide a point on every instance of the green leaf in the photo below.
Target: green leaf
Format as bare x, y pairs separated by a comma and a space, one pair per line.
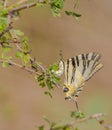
54, 67
26, 58
67, 127
34, 66
3, 12
41, 127
40, 4
3, 24
48, 93
7, 58
51, 70
3, 20
56, 6
77, 114
41, 77
49, 84
55, 78
6, 49
5, 64
25, 44
74, 14
17, 32
53, 124
19, 54
42, 84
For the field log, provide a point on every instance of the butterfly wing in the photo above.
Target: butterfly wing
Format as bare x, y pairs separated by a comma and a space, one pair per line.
61, 68
78, 70
88, 64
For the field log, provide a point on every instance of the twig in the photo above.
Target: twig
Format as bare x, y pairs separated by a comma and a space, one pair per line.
17, 43
26, 6
32, 59
20, 66
5, 3
94, 116
21, 2
105, 125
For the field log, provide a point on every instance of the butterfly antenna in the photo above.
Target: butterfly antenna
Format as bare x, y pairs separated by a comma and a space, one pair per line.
61, 56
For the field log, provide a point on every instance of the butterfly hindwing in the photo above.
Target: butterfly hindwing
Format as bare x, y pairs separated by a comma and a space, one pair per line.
77, 71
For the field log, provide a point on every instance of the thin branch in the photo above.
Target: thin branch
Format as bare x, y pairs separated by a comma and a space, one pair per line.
11, 63
32, 59
105, 125
94, 116
5, 3
26, 6
17, 44
21, 2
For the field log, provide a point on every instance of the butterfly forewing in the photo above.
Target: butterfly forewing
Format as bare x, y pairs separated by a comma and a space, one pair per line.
92, 65
78, 70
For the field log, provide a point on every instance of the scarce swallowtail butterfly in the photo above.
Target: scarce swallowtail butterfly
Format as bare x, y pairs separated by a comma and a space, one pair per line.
78, 70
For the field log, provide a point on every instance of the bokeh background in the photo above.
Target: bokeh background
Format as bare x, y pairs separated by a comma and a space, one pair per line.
23, 103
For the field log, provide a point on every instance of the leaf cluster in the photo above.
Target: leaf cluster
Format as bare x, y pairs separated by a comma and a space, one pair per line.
56, 6
68, 126
10, 37
48, 78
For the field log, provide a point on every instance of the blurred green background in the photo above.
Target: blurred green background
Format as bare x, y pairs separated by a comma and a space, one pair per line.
23, 103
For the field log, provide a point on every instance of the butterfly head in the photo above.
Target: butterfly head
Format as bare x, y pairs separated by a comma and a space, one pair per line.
69, 91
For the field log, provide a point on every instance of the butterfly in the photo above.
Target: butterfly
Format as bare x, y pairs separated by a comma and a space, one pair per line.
77, 71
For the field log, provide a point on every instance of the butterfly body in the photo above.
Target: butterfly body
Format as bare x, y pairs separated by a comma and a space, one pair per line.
72, 81
77, 71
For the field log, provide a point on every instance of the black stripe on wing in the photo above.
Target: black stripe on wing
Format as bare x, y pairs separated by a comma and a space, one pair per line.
93, 65
67, 69
73, 62
87, 64
77, 60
